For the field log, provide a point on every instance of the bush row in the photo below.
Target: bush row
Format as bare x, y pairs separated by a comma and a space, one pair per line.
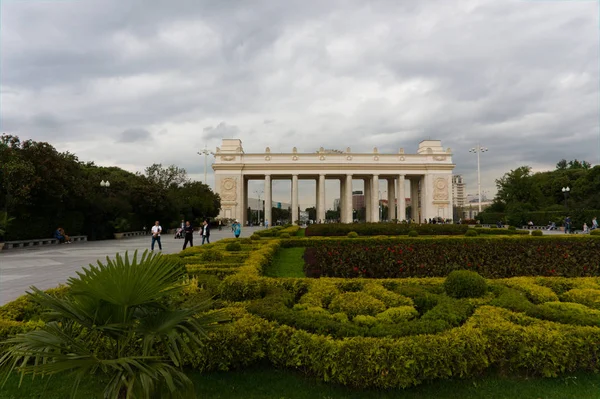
492, 257
493, 338
390, 229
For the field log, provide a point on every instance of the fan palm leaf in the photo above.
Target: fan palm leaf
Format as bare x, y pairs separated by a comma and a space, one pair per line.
116, 320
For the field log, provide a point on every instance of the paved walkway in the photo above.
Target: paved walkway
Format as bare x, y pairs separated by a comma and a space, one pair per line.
47, 267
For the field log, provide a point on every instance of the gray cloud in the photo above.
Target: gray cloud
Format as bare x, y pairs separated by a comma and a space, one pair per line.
135, 135
521, 77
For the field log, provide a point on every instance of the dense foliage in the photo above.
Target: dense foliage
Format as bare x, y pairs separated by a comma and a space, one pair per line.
47, 189
492, 257
523, 196
375, 229
389, 332
127, 320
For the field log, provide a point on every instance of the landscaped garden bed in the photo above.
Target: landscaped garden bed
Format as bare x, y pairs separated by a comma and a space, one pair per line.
399, 331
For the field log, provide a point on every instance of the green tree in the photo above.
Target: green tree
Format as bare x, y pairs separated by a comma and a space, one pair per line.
118, 320
166, 177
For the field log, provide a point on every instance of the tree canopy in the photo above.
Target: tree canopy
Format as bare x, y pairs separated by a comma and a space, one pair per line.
42, 189
521, 191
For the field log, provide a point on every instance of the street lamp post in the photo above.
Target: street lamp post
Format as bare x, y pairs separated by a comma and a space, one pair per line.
105, 184
566, 191
259, 193
479, 149
206, 153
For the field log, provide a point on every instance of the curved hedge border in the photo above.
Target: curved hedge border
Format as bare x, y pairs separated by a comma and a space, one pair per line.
513, 333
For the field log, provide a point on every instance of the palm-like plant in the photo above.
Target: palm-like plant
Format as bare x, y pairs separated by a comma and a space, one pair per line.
117, 320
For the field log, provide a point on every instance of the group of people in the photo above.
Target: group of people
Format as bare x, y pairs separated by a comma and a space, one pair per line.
187, 231
585, 228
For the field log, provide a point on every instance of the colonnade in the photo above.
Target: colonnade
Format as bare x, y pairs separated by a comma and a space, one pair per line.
396, 195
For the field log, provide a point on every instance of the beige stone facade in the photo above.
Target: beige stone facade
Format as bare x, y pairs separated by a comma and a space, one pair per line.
429, 172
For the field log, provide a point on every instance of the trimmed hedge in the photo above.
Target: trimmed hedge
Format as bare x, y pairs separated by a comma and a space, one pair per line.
492, 257
388, 229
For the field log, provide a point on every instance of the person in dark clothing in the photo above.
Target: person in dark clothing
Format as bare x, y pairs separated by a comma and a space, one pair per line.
205, 231
189, 234
59, 235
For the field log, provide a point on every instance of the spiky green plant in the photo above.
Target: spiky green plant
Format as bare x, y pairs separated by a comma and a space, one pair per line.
117, 322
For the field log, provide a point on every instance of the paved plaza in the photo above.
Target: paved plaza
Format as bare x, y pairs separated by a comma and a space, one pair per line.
48, 266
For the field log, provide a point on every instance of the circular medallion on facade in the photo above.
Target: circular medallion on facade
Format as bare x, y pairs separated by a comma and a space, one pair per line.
401, 158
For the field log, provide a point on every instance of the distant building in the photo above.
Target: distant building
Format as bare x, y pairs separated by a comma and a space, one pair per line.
255, 204
459, 191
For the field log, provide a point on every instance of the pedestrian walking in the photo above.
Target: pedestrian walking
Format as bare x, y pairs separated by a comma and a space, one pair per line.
189, 234
205, 231
156, 230
236, 227
568, 225
594, 224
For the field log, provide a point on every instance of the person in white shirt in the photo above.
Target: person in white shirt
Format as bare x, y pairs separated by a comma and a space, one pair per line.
156, 230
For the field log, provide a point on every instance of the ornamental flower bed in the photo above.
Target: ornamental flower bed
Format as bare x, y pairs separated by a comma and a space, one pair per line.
492, 257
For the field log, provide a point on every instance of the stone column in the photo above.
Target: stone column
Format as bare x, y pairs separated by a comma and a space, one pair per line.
321, 206
414, 199
426, 211
294, 198
375, 198
343, 203
348, 202
268, 200
391, 190
367, 192
244, 202
401, 202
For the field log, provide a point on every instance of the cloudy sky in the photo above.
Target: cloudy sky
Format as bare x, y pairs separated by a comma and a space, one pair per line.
131, 83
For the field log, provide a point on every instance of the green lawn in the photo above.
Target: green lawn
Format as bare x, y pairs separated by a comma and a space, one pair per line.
288, 262
266, 383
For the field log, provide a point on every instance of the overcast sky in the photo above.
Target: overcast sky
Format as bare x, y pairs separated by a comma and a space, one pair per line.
136, 82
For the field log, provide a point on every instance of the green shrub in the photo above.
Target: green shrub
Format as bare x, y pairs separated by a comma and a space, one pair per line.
320, 293
233, 246
585, 296
365, 320
356, 303
512, 228
535, 293
383, 229
413, 233
595, 232
284, 235
211, 255
245, 241
492, 257
471, 233
352, 234
465, 284
255, 237
398, 314
537, 233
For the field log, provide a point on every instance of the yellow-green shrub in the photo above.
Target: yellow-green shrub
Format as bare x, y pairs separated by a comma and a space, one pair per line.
389, 298
320, 293
584, 296
535, 293
365, 320
398, 314
356, 303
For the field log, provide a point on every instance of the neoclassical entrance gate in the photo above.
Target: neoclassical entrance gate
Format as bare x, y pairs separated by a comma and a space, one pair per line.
429, 172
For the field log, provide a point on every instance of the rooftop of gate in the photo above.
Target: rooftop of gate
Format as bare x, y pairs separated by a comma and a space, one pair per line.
234, 146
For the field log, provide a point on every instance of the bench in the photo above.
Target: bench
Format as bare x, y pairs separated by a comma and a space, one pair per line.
129, 234
39, 242
535, 227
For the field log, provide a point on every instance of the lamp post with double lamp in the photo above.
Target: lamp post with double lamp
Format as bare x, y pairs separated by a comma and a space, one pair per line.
566, 191
206, 153
259, 193
105, 184
478, 150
